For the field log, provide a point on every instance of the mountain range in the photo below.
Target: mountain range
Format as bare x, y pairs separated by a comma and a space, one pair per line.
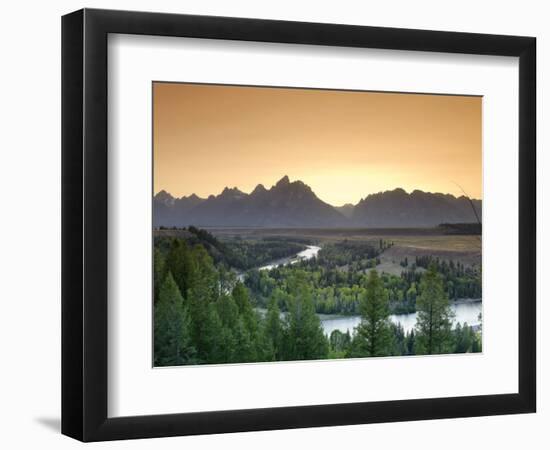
294, 205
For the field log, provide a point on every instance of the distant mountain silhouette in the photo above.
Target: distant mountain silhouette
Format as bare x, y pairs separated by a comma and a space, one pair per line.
170, 211
346, 210
397, 208
293, 204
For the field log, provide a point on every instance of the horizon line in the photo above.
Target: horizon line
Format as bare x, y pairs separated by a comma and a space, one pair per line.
344, 204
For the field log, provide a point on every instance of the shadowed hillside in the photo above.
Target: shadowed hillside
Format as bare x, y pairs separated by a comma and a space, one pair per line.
294, 205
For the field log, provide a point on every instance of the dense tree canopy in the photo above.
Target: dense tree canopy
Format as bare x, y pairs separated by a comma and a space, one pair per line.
205, 314
434, 321
172, 327
374, 335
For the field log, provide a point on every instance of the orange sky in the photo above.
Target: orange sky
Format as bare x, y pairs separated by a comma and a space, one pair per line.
345, 145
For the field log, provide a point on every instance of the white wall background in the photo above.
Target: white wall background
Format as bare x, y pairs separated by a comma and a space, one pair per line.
30, 225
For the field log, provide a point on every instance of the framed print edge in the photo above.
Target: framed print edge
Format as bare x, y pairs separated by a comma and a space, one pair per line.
85, 237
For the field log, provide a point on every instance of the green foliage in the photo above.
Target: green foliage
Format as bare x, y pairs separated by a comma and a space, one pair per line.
172, 340
338, 275
237, 253
204, 315
254, 253
246, 344
273, 331
466, 340
340, 343
212, 341
433, 326
357, 253
410, 343
180, 262
463, 337
159, 272
305, 337
374, 336
228, 311
459, 281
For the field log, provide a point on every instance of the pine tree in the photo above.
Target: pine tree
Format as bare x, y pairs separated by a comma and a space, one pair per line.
228, 311
305, 338
172, 339
158, 273
410, 343
213, 346
399, 342
204, 275
374, 336
241, 298
434, 316
250, 319
246, 346
477, 338
463, 338
273, 330
180, 262
202, 293
339, 344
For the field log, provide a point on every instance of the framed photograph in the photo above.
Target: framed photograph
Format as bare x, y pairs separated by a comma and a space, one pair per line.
273, 224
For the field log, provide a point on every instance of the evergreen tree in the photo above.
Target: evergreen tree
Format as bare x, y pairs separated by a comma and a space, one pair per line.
158, 273
228, 311
305, 338
227, 280
463, 338
273, 330
410, 343
251, 320
246, 346
180, 262
172, 339
399, 340
213, 347
202, 294
374, 336
477, 338
411, 293
227, 348
204, 275
434, 316
339, 344
241, 298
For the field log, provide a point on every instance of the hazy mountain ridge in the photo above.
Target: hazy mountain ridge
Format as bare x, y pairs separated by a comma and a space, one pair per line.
397, 208
295, 205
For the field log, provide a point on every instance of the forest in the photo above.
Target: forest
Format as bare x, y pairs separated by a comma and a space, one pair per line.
205, 314
238, 253
339, 273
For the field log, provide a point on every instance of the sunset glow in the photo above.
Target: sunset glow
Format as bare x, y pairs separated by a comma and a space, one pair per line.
344, 145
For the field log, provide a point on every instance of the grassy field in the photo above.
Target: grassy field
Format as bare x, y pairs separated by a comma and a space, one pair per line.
407, 242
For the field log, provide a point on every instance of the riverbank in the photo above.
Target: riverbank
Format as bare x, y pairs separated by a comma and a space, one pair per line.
311, 251
464, 312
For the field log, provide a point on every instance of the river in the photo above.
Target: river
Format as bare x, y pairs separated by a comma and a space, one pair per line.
310, 252
465, 310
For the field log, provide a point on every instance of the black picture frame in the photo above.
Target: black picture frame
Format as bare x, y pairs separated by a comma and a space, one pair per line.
84, 224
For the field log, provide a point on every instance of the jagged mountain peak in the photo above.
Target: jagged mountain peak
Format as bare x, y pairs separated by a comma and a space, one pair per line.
232, 192
285, 181
165, 198
295, 204
397, 208
162, 194
259, 189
